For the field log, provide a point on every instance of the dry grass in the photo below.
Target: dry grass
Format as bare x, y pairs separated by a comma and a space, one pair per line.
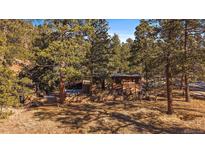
85, 116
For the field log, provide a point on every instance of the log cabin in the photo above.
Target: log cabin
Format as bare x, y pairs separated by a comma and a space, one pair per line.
126, 83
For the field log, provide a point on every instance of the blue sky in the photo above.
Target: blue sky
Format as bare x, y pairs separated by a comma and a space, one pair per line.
123, 27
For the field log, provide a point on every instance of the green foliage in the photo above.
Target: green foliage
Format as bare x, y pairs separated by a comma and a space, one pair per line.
8, 88
24, 86
60, 48
16, 38
125, 54
120, 54
192, 60
99, 54
145, 52
82, 48
115, 59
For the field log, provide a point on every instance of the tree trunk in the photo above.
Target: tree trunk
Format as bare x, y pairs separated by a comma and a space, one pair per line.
169, 86
103, 84
62, 89
1, 106
186, 80
146, 82
37, 89
182, 82
187, 95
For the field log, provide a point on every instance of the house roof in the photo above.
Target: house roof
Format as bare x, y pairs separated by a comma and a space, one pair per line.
136, 75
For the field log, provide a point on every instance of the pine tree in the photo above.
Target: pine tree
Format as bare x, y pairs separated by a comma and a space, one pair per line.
169, 35
15, 45
192, 31
8, 88
18, 34
99, 55
143, 52
59, 54
115, 59
125, 55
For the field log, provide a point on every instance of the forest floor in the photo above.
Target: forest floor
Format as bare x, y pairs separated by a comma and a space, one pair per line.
109, 117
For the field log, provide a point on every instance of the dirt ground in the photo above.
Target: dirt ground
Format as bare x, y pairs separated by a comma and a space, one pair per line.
107, 117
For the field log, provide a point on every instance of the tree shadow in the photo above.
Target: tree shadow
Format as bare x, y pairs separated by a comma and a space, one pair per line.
143, 127
107, 118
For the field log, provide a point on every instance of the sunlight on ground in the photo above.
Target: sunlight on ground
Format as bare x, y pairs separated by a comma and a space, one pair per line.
109, 117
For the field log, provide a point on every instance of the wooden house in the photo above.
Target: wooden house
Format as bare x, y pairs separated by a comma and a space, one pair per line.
126, 83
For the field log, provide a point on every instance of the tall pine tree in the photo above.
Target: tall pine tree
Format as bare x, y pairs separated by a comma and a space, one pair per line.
99, 55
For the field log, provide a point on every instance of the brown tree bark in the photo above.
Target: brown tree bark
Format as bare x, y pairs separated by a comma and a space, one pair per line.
62, 93
103, 84
182, 82
146, 82
187, 94
169, 78
186, 78
169, 86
